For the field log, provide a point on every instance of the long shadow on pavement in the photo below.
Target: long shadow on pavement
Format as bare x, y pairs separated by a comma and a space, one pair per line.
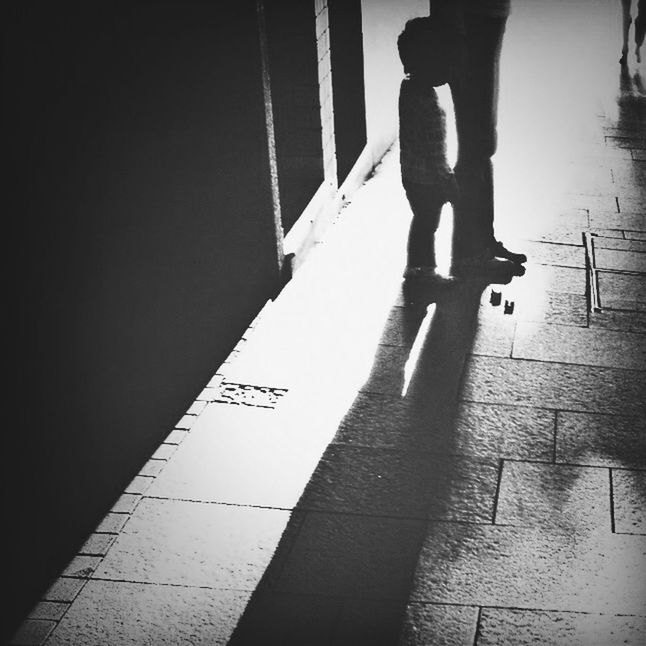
344, 566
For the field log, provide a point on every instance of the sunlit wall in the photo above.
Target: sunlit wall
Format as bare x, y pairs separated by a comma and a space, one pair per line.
383, 20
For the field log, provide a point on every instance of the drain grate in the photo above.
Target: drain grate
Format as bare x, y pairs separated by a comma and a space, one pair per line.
248, 395
592, 274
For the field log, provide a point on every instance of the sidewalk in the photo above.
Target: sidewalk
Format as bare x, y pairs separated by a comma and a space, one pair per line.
363, 470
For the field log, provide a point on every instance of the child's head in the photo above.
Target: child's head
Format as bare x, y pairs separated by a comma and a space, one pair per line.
427, 49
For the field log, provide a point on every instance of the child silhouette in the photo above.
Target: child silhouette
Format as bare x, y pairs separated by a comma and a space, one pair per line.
425, 51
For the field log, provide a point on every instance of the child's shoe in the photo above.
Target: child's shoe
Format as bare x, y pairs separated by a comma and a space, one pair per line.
427, 275
425, 284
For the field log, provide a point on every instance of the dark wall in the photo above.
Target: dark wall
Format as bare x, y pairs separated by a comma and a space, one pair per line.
346, 48
140, 234
293, 66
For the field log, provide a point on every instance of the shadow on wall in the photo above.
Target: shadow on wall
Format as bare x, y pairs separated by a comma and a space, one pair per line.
383, 20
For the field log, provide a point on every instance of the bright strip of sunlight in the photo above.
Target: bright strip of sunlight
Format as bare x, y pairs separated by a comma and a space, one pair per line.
416, 349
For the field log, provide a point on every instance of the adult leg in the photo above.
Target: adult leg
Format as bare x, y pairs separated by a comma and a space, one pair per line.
625, 23
640, 28
475, 98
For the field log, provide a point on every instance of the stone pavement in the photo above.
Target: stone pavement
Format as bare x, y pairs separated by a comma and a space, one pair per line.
468, 469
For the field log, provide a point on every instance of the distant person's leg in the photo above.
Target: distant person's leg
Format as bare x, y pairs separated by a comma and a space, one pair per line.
626, 20
640, 28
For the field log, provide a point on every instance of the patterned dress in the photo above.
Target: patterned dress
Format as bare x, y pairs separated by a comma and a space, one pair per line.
493, 8
422, 138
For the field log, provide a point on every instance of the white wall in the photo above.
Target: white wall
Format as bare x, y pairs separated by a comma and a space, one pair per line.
383, 21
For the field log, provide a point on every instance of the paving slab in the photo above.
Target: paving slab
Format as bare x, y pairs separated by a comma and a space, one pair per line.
620, 131
619, 244
112, 523
32, 632
176, 437
283, 618
510, 627
383, 482
629, 501
139, 485
97, 545
331, 313
439, 624
353, 556
622, 291
82, 567
195, 544
592, 180
618, 260
126, 503
554, 385
538, 494
547, 253
618, 221
533, 303
244, 455
616, 155
601, 440
494, 337
368, 621
479, 430
431, 371
635, 186
635, 235
164, 452
618, 234
64, 589
318, 620
622, 142
532, 568
48, 610
626, 170
552, 307
565, 233
132, 614
500, 431
605, 203
402, 326
630, 204
387, 375
380, 421
549, 278
152, 468
578, 345
622, 321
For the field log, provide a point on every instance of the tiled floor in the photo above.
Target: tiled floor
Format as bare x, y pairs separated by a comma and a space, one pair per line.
367, 470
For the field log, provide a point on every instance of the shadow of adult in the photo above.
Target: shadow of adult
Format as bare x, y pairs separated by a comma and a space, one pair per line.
344, 566
631, 101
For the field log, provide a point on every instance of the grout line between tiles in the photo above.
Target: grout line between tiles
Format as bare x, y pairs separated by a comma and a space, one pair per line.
612, 502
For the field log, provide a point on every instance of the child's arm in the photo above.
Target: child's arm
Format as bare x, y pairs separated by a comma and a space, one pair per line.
453, 190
